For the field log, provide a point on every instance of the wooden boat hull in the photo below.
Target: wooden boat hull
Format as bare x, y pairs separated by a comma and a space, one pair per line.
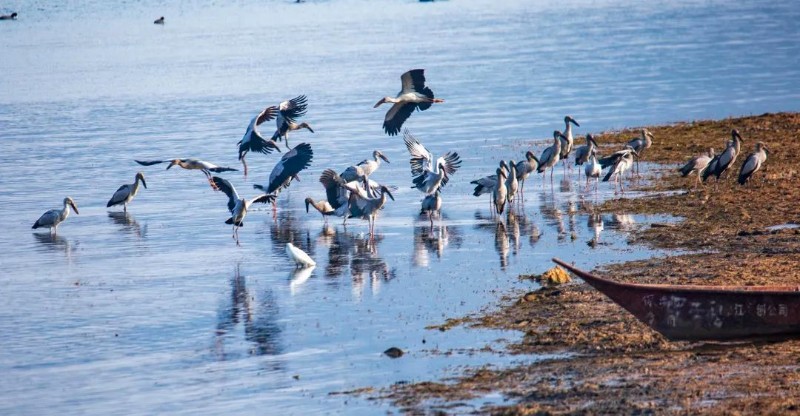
694, 312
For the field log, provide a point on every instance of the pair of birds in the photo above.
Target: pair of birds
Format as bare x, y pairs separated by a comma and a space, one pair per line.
509, 178
708, 164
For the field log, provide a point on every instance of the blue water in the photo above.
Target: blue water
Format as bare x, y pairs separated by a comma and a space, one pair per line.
158, 311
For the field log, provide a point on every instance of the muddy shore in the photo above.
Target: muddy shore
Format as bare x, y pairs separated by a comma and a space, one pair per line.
619, 365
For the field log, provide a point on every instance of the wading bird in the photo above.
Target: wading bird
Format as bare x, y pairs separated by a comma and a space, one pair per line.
512, 183
191, 164
524, 169
582, 153
291, 163
697, 164
640, 144
428, 175
499, 193
728, 156
622, 162
551, 155
753, 163
237, 205
367, 208
253, 141
337, 198
414, 95
432, 204
288, 112
592, 169
364, 168
568, 140
127, 192
54, 217
299, 257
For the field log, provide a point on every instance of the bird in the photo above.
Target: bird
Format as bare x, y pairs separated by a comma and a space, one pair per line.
159, 21
288, 112
621, 163
551, 155
12, 16
364, 168
237, 205
753, 163
499, 194
299, 257
190, 164
582, 153
54, 217
367, 208
592, 169
432, 204
697, 164
639, 144
291, 163
567, 141
127, 192
413, 95
512, 183
525, 168
337, 200
429, 176
253, 141
727, 158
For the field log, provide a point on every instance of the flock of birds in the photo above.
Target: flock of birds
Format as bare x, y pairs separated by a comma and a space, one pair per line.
352, 194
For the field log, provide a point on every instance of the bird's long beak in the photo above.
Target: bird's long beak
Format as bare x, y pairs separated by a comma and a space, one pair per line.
390, 194
572, 120
766, 149
307, 204
171, 164
309, 128
144, 183
594, 142
74, 207
385, 159
383, 100
438, 100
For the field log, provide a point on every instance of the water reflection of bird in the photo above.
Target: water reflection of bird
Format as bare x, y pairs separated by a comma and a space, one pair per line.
619, 221
553, 214
595, 224
253, 141
429, 240
53, 217
501, 244
298, 277
56, 243
367, 265
128, 223
414, 95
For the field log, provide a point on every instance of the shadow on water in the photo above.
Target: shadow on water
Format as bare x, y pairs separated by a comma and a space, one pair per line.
257, 314
128, 223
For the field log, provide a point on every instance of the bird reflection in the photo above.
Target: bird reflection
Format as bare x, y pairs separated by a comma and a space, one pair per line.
367, 266
565, 185
260, 322
508, 235
620, 221
298, 277
128, 223
595, 224
288, 229
501, 244
553, 214
427, 240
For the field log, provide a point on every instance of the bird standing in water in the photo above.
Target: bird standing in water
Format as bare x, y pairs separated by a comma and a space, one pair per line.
54, 217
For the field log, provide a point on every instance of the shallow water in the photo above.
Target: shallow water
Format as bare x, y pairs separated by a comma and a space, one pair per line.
158, 311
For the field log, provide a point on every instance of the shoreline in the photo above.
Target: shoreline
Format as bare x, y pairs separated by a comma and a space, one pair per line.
618, 363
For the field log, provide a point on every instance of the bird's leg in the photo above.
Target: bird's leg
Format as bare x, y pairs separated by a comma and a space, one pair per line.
245, 166
125, 207
286, 140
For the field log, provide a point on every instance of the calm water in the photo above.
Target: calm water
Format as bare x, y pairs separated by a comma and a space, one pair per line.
158, 311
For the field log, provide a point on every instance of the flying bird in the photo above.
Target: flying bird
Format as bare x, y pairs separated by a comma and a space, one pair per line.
429, 176
291, 163
54, 217
237, 205
414, 95
253, 141
190, 164
127, 192
288, 113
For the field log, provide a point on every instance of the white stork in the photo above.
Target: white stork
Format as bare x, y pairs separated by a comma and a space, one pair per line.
414, 95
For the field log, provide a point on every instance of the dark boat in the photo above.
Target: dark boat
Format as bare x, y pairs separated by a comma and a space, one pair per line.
694, 312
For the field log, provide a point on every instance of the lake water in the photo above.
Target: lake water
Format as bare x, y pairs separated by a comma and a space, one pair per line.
158, 311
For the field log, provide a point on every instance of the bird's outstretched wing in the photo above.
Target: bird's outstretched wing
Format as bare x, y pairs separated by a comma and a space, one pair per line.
226, 187
149, 162
421, 158
396, 116
413, 80
335, 191
294, 108
289, 166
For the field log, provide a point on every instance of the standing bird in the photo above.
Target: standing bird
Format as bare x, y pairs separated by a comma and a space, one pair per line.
429, 176
551, 155
592, 170
191, 164
568, 140
54, 217
512, 183
337, 199
728, 156
499, 194
414, 95
487, 185
582, 153
432, 204
299, 257
367, 208
12, 16
753, 163
288, 112
291, 163
127, 192
697, 164
639, 144
622, 162
253, 140
238, 206
524, 169
364, 168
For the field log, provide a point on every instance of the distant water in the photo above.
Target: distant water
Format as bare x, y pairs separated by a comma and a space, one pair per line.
159, 312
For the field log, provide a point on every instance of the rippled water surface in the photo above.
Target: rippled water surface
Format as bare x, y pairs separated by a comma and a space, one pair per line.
158, 311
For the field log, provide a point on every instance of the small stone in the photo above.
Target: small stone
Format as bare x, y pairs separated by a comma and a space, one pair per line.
394, 352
